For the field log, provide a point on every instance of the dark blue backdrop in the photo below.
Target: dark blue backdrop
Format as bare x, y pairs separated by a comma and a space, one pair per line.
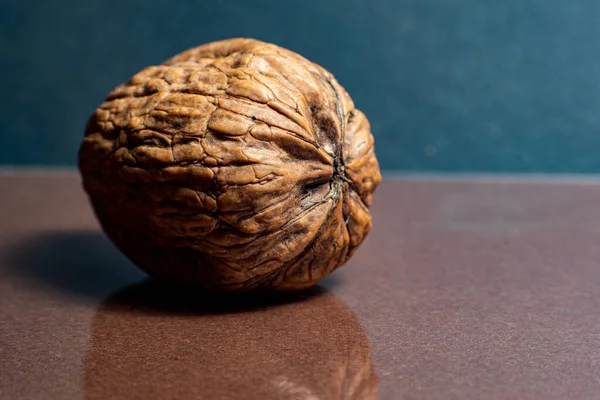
452, 85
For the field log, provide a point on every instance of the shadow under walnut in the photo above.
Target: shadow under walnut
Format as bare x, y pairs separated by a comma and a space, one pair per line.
232, 166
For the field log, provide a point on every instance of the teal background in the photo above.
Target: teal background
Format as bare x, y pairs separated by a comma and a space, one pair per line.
448, 85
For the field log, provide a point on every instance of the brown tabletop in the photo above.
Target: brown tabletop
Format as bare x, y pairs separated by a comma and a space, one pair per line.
465, 289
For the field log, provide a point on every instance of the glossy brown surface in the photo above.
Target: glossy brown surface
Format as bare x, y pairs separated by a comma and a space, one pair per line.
235, 165
467, 289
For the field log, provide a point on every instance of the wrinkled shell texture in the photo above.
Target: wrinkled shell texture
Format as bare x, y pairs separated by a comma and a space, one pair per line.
232, 166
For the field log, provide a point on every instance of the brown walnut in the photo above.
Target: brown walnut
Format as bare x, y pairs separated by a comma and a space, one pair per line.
232, 166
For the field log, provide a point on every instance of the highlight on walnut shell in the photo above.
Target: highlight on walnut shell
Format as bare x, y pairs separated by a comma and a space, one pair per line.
232, 166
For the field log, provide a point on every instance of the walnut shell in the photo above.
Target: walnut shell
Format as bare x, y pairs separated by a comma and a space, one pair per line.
232, 166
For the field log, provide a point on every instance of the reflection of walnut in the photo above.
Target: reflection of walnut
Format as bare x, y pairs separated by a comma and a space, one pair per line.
150, 342
234, 165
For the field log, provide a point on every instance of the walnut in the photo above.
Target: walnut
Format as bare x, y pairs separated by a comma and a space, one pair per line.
232, 166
